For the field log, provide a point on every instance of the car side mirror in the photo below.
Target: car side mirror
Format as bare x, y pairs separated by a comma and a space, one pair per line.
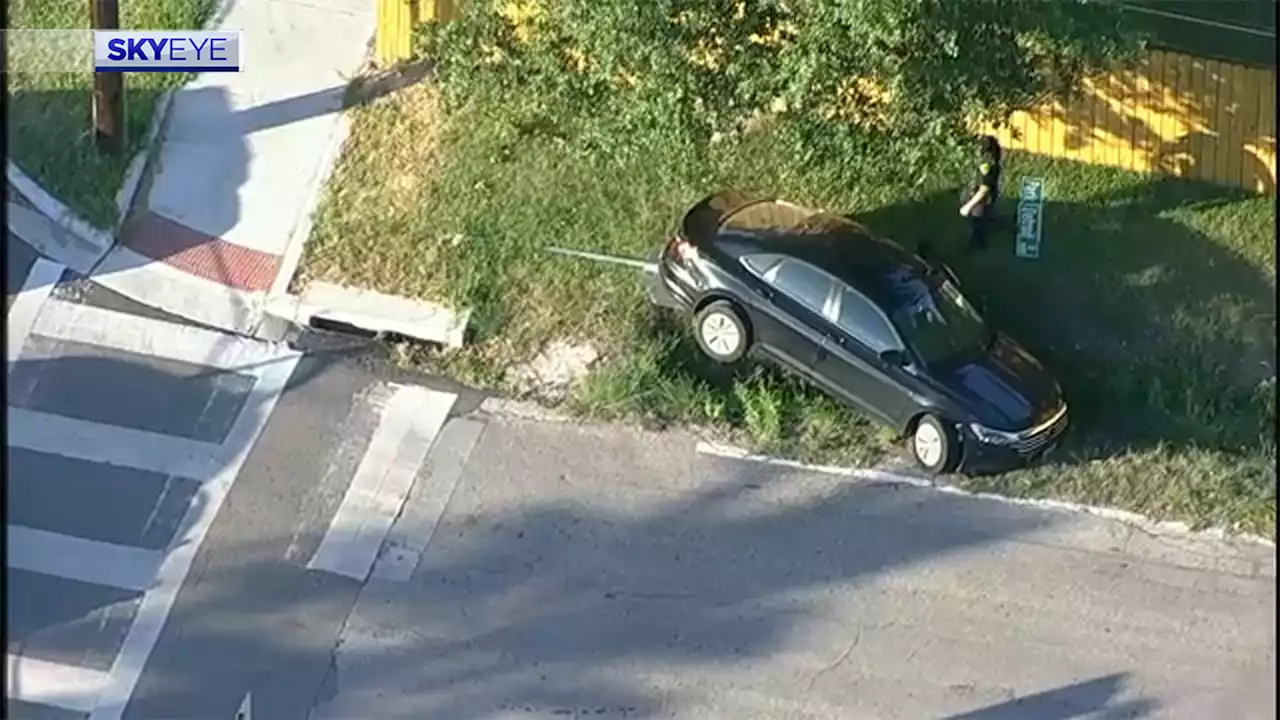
894, 358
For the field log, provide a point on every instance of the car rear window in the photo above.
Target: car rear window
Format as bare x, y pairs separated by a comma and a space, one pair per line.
767, 215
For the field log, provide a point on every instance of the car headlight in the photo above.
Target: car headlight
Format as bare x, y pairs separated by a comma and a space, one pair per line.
989, 436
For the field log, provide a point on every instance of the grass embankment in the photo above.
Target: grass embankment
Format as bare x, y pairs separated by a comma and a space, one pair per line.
50, 122
1154, 301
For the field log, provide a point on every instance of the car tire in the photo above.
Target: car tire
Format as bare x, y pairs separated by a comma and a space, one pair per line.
721, 332
934, 445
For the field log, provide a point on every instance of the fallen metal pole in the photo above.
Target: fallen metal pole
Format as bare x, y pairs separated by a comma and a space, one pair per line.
629, 262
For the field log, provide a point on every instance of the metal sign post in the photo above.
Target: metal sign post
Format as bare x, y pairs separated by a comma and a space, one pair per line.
1030, 218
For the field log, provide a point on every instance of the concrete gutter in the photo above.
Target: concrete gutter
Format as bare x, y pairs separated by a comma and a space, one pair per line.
372, 312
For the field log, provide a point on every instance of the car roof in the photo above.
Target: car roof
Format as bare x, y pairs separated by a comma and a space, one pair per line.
851, 253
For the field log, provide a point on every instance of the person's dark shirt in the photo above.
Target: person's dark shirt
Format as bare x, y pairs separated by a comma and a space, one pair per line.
988, 174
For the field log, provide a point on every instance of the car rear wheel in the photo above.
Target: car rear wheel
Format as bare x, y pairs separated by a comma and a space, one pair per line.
934, 445
721, 332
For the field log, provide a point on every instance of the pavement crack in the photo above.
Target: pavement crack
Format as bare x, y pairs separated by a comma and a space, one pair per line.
838, 661
912, 655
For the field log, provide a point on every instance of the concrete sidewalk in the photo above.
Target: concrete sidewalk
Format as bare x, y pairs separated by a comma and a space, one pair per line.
224, 207
215, 214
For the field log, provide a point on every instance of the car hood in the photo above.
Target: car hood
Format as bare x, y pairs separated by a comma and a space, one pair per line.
1005, 389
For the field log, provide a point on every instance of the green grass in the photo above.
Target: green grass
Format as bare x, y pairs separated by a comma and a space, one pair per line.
1154, 301
50, 113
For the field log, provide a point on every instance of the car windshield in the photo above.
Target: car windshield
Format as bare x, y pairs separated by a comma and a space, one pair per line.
937, 320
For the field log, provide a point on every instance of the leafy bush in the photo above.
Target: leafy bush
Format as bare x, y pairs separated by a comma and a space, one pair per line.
911, 75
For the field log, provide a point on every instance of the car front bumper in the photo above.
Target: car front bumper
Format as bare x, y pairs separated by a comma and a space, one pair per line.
983, 458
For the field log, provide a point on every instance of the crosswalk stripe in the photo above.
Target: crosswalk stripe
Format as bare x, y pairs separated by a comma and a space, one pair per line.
416, 524
410, 422
75, 558
54, 684
112, 445
78, 322
26, 304
149, 621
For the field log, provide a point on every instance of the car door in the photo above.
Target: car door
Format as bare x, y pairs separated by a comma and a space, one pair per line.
790, 316
850, 356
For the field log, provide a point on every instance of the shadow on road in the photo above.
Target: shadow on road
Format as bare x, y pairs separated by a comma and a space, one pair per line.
573, 602
615, 581
60, 485
1096, 699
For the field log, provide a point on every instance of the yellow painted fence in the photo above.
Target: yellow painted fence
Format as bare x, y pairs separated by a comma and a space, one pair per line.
393, 39
1172, 113
1175, 114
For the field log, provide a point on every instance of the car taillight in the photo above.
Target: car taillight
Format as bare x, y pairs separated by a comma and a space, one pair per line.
683, 250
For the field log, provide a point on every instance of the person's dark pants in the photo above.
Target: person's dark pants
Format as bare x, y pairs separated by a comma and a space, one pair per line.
977, 232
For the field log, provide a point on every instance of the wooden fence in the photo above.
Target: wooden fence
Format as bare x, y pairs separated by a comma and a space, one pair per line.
393, 39
1175, 114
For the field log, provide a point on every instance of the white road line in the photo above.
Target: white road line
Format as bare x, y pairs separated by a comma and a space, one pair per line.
145, 336
733, 453
79, 559
413, 529
62, 686
156, 604
410, 422
112, 445
1162, 527
26, 305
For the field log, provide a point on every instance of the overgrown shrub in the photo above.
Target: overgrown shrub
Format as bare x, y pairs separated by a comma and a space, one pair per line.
913, 76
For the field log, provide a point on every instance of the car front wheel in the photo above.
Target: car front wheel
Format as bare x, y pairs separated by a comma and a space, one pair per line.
934, 445
721, 332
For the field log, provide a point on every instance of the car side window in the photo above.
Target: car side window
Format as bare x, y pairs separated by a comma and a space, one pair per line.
761, 264
810, 286
858, 317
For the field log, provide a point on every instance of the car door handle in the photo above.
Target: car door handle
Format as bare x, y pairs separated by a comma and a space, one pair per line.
764, 292
824, 348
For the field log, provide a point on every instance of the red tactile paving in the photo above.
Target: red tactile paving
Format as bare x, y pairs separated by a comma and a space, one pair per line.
211, 258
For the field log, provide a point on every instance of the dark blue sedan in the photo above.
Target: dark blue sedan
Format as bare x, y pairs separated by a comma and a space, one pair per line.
881, 328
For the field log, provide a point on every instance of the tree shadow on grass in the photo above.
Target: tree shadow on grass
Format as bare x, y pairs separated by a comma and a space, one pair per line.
193, 188
51, 138
1160, 335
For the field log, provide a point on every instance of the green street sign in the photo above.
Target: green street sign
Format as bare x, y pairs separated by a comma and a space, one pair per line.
1030, 218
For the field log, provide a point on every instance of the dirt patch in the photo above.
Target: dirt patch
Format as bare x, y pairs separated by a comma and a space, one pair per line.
554, 371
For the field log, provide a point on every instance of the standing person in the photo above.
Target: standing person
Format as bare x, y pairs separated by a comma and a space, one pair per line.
983, 193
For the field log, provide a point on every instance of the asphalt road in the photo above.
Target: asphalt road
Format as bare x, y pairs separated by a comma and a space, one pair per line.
149, 459
196, 517
602, 572
118, 436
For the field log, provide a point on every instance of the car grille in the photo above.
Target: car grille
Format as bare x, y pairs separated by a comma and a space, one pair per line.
1037, 442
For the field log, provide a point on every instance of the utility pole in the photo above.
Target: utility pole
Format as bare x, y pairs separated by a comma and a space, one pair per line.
108, 87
